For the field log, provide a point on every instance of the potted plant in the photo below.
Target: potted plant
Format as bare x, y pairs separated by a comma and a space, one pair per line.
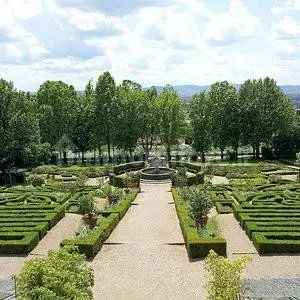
87, 208
200, 205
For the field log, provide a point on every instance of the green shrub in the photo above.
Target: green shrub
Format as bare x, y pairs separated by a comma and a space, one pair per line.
91, 242
86, 204
276, 242
196, 246
18, 242
132, 166
199, 202
35, 180
224, 281
64, 274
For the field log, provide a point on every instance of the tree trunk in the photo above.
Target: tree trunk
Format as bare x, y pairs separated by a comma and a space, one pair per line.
65, 159
108, 149
257, 151
202, 156
236, 153
222, 154
254, 153
82, 157
168, 152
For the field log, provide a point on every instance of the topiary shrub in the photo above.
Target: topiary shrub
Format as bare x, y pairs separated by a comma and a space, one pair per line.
200, 205
63, 274
36, 180
86, 204
224, 282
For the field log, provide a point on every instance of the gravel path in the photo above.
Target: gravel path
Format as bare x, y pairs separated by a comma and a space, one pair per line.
145, 257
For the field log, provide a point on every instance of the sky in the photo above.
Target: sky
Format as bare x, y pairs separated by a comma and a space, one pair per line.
153, 42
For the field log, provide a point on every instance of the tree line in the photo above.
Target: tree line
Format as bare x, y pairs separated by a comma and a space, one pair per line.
107, 115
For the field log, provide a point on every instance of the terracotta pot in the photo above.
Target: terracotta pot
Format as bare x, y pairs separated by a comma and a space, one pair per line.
202, 221
90, 219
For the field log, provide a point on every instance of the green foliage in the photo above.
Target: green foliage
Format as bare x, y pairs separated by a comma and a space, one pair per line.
104, 110
266, 111
224, 282
19, 129
86, 204
225, 115
198, 200
201, 122
171, 118
197, 246
55, 100
36, 180
90, 243
64, 274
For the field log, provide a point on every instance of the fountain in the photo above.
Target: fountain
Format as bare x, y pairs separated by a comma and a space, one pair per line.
157, 170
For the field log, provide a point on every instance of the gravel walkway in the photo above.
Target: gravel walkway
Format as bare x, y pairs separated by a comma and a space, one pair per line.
145, 257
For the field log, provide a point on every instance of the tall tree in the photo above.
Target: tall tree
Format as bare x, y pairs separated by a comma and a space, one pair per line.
18, 122
104, 109
171, 120
201, 123
225, 115
56, 102
266, 111
128, 115
149, 117
81, 126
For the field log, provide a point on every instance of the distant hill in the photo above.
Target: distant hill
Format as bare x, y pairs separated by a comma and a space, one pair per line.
187, 91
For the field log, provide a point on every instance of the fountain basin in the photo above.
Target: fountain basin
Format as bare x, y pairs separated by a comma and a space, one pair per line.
160, 173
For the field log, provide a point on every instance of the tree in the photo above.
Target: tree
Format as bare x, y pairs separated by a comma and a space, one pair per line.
149, 127
171, 119
104, 109
266, 111
18, 122
225, 115
129, 98
81, 128
56, 101
201, 122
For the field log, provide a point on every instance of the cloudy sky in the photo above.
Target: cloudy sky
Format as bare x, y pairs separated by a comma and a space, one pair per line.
154, 42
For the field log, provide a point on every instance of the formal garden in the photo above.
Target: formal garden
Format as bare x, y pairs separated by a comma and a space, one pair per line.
124, 184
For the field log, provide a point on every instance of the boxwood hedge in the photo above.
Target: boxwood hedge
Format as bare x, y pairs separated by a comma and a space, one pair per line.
196, 246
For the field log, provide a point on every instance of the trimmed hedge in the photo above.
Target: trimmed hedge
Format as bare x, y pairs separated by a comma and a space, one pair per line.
25, 217
277, 242
195, 245
132, 166
18, 242
91, 244
120, 182
189, 166
252, 228
224, 207
41, 228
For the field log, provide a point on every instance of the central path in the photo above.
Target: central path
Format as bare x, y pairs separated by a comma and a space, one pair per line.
145, 257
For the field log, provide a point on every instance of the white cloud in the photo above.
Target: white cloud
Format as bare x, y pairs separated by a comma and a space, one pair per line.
231, 26
153, 42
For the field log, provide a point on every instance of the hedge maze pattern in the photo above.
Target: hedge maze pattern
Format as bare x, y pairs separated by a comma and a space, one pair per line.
26, 216
270, 214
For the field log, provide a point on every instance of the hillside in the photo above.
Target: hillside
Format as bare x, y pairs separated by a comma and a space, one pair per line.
188, 90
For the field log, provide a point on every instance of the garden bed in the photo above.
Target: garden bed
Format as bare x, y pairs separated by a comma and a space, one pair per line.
91, 243
26, 217
197, 246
